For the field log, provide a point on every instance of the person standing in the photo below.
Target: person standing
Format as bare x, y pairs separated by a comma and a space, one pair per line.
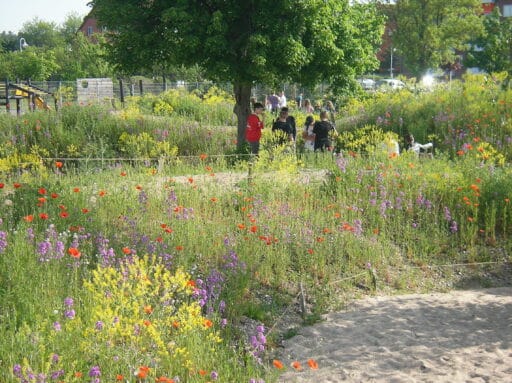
282, 127
282, 100
322, 129
254, 127
308, 135
291, 121
274, 102
308, 108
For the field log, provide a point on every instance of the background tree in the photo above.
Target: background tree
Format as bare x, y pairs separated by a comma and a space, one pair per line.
431, 33
246, 42
41, 33
492, 50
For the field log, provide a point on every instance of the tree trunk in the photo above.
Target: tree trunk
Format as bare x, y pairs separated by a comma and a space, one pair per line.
242, 109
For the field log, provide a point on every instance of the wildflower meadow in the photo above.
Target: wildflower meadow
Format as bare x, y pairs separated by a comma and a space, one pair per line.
136, 241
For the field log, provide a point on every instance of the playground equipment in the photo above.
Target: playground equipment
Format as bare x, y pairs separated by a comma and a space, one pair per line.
19, 91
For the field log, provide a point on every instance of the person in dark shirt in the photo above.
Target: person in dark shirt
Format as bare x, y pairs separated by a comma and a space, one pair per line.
283, 128
322, 129
290, 120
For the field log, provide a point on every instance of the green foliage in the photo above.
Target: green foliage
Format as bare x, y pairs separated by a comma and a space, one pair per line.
490, 51
427, 34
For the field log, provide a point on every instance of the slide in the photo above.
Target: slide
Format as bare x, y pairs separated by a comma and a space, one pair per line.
41, 104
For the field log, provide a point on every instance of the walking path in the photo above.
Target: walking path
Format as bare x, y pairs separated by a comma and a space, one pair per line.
461, 336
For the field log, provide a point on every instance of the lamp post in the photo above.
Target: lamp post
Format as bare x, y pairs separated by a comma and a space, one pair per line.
391, 63
23, 44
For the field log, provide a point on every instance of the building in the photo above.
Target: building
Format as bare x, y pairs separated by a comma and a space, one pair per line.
505, 6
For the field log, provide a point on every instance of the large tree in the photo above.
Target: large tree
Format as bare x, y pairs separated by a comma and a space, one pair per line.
492, 50
430, 33
246, 41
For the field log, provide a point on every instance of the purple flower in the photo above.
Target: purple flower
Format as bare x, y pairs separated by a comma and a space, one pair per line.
70, 314
55, 358
68, 302
57, 326
16, 370
214, 375
57, 374
453, 227
95, 371
99, 325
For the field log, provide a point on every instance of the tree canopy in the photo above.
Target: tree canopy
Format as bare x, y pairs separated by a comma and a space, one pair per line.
246, 42
429, 33
491, 51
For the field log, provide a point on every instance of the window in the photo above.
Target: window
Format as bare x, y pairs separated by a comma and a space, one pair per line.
507, 10
89, 31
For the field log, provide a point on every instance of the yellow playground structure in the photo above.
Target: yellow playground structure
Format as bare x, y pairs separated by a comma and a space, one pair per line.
20, 91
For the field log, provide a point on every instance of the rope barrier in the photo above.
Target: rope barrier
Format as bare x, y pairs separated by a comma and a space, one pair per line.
278, 320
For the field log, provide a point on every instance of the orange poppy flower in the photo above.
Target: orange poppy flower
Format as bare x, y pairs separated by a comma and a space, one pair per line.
190, 180
42, 191
312, 364
85, 210
146, 323
43, 216
78, 374
207, 323
191, 283
254, 229
28, 218
296, 365
203, 156
54, 195
123, 174
176, 324
58, 164
277, 364
311, 251
142, 373
179, 248
202, 372
102, 193
241, 226
74, 252
64, 214
17, 185
119, 377
126, 250
148, 309
76, 190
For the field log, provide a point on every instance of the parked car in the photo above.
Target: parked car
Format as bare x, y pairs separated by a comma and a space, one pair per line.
390, 83
367, 83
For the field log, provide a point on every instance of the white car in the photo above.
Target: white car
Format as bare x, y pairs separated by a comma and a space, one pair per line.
367, 83
390, 83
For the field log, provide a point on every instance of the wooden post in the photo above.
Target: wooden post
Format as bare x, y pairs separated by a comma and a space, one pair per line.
7, 105
141, 89
121, 91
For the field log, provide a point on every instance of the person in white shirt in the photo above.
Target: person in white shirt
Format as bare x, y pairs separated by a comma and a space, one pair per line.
282, 100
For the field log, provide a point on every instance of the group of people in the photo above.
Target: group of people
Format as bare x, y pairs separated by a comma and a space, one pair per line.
316, 134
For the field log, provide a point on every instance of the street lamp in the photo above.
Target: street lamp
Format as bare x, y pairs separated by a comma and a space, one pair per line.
391, 63
23, 44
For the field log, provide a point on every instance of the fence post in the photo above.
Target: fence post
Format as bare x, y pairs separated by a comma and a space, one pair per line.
121, 91
165, 82
141, 89
7, 105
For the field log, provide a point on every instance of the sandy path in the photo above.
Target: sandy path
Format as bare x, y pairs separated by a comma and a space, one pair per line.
462, 336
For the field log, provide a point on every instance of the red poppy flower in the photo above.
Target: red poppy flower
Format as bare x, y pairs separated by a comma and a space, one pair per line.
74, 252
126, 250
28, 218
76, 190
17, 185
277, 364
43, 216
58, 164
312, 364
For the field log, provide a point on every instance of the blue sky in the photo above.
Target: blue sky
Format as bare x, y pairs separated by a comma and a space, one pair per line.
14, 13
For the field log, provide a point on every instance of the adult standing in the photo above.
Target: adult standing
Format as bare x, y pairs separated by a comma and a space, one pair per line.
282, 100
274, 102
254, 127
322, 129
